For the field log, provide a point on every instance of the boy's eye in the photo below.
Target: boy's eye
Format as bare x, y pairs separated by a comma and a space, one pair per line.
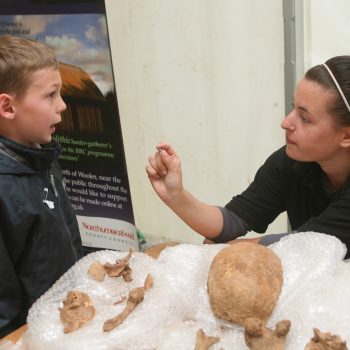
304, 119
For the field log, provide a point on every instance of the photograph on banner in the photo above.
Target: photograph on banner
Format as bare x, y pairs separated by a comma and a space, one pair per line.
92, 158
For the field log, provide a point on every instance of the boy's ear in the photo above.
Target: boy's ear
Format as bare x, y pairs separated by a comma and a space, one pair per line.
7, 110
345, 142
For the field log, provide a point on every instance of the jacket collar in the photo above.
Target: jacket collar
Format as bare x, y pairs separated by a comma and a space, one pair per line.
36, 158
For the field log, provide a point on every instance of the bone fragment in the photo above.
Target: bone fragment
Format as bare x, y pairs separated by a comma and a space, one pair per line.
259, 337
204, 342
77, 310
325, 341
136, 295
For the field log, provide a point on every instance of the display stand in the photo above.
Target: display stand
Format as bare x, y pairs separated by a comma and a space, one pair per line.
16, 335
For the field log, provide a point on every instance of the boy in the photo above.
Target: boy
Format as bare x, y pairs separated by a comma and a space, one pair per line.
39, 235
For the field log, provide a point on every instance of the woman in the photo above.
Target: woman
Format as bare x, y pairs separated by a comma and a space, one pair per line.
308, 177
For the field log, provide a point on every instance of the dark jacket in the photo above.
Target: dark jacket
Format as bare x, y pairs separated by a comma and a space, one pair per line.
39, 234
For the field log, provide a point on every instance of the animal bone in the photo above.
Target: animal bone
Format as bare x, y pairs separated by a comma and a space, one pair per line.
204, 342
325, 341
120, 268
77, 311
97, 271
135, 297
259, 337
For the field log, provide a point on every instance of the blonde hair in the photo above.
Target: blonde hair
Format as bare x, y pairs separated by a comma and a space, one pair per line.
19, 59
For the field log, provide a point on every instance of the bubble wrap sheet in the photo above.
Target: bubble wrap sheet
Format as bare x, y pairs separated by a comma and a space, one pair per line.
315, 293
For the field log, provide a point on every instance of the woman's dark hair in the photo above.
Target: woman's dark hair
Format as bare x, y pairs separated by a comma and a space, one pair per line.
340, 67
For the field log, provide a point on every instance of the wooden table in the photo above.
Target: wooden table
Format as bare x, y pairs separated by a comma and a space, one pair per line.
16, 335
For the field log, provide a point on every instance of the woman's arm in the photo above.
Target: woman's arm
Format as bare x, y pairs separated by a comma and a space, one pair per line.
165, 174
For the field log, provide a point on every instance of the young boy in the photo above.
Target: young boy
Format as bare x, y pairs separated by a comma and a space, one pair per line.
39, 235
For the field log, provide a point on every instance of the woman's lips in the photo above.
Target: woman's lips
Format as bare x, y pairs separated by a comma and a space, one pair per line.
289, 141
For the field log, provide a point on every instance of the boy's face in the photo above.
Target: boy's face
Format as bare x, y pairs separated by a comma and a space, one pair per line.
39, 110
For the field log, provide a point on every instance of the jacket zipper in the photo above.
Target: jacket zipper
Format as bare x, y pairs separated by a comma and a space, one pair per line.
52, 180
53, 185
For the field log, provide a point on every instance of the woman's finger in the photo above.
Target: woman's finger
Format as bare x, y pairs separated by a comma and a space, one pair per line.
160, 166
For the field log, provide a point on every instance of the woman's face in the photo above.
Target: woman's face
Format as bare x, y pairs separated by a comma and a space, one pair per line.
311, 131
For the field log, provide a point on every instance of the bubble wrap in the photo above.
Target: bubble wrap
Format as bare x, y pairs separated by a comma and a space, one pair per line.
315, 293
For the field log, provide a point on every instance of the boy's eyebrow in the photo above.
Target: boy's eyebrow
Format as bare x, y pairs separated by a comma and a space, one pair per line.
55, 85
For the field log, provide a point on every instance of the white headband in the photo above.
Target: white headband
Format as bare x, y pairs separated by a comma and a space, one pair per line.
338, 87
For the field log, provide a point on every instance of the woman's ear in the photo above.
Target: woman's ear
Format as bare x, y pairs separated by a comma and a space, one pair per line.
345, 141
7, 110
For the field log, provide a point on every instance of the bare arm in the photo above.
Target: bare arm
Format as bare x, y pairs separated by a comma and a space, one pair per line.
203, 218
165, 174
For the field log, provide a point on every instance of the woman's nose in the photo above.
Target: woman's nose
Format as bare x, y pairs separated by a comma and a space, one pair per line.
287, 122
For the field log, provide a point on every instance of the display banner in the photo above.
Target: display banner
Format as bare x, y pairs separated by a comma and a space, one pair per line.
92, 159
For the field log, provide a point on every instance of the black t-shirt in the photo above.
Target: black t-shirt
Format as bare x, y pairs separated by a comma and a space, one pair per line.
283, 184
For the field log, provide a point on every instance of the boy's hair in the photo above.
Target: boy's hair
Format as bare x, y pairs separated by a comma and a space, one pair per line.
19, 59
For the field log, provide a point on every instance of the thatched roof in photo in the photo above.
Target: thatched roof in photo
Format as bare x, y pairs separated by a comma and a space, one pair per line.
77, 83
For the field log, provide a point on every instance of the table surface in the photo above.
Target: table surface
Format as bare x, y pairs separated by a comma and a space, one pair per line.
16, 335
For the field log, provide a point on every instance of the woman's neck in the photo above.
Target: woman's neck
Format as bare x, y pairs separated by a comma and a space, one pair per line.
337, 176
337, 169
337, 183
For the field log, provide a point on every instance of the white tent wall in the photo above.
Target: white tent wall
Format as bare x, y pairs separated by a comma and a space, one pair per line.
326, 30
206, 76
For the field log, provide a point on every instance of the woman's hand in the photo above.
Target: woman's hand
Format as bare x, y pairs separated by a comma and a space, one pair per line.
164, 172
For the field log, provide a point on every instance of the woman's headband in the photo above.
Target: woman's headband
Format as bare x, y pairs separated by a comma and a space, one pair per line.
338, 87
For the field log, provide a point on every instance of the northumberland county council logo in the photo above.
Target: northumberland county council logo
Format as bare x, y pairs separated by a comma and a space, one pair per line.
108, 230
